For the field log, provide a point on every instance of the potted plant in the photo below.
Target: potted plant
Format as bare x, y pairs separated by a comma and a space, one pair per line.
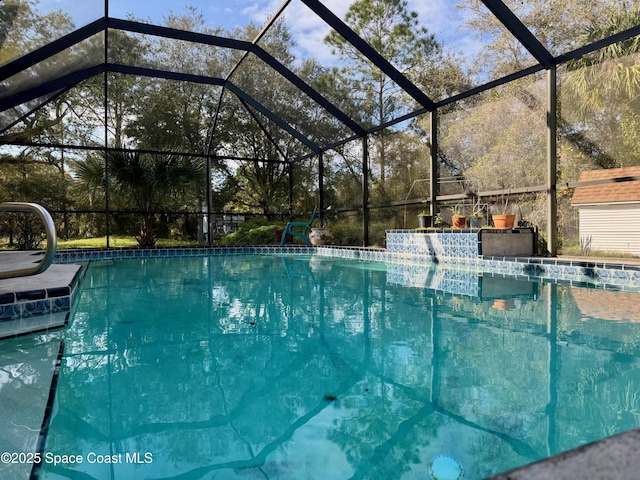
424, 220
457, 219
475, 219
504, 304
504, 220
321, 235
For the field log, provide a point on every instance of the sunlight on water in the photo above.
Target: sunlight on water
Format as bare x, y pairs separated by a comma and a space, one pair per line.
286, 367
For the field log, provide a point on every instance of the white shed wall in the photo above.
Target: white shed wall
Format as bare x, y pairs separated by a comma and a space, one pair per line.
614, 228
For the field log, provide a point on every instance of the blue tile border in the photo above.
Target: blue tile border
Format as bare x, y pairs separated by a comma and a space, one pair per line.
599, 274
86, 255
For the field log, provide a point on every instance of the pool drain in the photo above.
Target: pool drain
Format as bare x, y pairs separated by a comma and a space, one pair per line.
445, 467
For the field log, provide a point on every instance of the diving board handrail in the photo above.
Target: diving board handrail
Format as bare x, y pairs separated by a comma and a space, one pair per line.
50, 232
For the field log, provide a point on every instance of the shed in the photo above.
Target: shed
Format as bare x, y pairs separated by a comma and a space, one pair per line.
609, 211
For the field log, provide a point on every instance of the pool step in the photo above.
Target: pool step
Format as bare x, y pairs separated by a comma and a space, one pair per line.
33, 324
38, 302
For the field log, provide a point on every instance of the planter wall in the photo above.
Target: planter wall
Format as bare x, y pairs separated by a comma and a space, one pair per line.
506, 243
450, 245
501, 291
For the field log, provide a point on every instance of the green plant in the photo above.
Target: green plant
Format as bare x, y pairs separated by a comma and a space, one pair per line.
145, 181
328, 218
347, 233
478, 211
426, 212
542, 245
252, 235
457, 213
585, 245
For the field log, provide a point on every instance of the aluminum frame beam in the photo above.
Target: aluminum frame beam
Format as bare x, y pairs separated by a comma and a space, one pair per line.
136, 27
368, 51
244, 96
520, 31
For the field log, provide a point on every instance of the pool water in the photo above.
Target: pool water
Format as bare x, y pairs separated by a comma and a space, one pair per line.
300, 367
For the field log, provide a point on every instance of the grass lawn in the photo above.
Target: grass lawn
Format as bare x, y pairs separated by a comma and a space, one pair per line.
101, 242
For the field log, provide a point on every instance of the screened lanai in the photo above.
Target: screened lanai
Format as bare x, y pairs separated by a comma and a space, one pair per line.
184, 120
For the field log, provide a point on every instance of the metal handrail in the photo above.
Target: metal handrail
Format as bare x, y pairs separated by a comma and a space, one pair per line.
50, 231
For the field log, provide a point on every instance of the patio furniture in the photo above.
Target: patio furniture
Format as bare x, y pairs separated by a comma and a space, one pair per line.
305, 226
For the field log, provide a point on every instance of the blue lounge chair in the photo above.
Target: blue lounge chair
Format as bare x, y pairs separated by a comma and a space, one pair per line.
289, 230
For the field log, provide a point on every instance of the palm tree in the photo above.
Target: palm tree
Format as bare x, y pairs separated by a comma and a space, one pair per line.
612, 71
146, 181
601, 95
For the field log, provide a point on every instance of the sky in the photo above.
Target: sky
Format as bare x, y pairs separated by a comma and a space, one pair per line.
441, 17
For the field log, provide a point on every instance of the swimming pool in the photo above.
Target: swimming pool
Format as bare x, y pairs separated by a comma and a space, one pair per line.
291, 367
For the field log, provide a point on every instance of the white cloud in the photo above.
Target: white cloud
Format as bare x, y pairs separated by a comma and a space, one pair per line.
309, 30
260, 12
441, 17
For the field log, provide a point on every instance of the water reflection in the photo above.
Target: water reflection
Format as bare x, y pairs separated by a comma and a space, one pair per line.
308, 367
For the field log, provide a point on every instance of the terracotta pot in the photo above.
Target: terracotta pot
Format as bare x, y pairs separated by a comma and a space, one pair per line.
504, 304
458, 222
279, 233
503, 222
319, 236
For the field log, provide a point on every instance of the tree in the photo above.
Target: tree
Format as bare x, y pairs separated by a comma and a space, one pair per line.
597, 97
594, 105
394, 32
125, 92
557, 24
601, 92
262, 184
23, 30
30, 181
147, 181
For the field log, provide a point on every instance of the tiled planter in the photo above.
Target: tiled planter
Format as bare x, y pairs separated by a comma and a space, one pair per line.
446, 244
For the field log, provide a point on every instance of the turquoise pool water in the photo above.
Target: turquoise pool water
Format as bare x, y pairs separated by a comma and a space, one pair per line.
298, 367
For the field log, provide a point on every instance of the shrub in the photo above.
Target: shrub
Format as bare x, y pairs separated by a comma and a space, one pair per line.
346, 234
252, 234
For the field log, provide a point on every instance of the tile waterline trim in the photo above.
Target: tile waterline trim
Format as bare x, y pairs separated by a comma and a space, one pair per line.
598, 274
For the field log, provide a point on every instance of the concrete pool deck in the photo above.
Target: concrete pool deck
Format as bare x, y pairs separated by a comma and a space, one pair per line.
612, 458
